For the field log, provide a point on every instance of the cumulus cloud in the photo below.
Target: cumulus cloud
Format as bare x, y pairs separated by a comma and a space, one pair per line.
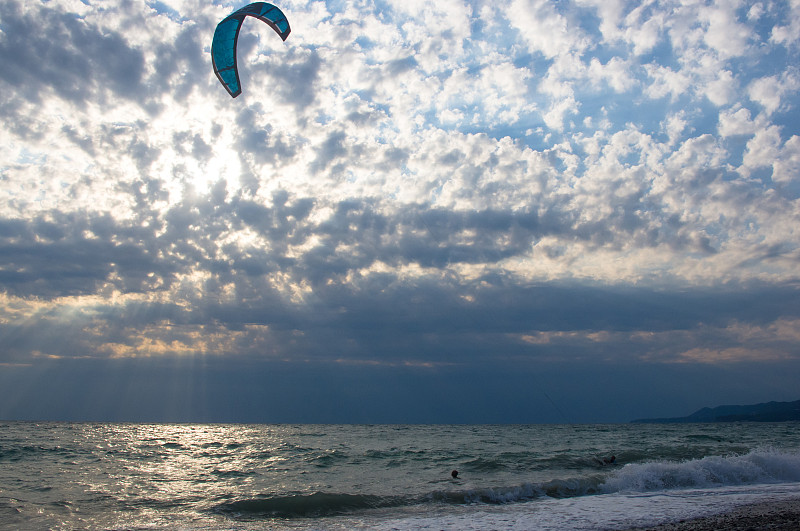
50, 50
545, 29
724, 33
736, 121
788, 33
770, 91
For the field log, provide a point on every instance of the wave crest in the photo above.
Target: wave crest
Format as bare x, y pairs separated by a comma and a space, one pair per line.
757, 466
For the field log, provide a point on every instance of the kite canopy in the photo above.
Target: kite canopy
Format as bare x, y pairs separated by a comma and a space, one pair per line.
223, 47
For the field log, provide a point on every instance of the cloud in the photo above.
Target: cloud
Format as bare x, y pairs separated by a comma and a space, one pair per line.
788, 34
786, 168
545, 29
724, 33
769, 91
763, 148
48, 50
736, 121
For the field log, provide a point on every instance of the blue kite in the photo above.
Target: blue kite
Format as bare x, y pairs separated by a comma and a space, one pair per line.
223, 47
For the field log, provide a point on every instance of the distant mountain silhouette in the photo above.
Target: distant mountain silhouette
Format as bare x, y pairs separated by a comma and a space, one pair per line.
768, 412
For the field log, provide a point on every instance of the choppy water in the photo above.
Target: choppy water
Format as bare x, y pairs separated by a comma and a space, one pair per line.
137, 476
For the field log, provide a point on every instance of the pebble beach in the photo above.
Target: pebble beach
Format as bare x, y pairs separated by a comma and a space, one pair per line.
781, 515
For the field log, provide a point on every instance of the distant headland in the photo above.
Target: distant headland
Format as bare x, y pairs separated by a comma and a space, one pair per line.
767, 412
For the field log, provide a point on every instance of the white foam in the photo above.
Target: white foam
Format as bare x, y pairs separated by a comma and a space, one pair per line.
758, 466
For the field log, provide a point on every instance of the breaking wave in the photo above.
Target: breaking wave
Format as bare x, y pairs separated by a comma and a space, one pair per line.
757, 466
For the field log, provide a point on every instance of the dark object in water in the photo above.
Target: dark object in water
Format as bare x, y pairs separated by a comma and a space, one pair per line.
454, 473
606, 460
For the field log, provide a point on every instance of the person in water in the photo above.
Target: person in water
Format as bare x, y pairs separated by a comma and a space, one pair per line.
454, 473
606, 460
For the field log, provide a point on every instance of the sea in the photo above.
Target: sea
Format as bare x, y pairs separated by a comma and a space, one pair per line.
56, 475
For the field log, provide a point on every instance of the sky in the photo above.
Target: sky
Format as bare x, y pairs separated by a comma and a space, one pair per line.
454, 211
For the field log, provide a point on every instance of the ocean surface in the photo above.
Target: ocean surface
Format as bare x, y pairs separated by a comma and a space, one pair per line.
387, 477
